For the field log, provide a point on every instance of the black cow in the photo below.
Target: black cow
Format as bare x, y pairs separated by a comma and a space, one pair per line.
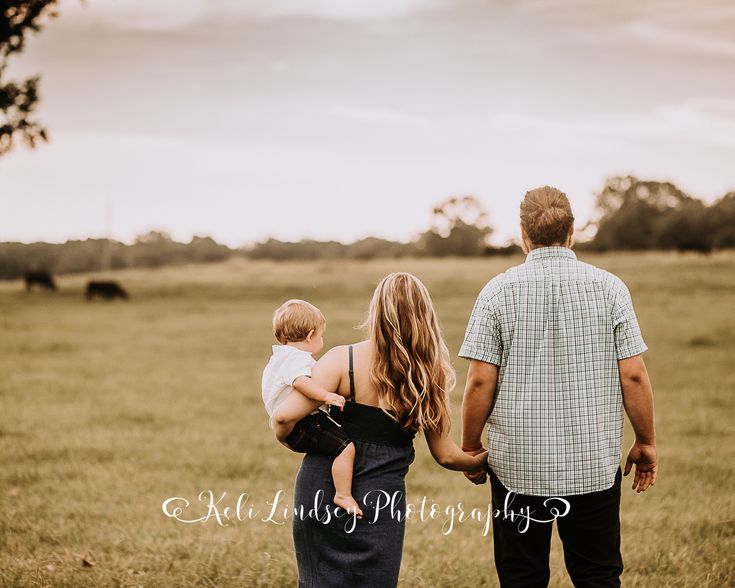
42, 279
107, 290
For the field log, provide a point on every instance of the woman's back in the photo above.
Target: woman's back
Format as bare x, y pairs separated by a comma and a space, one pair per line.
362, 360
363, 421
347, 551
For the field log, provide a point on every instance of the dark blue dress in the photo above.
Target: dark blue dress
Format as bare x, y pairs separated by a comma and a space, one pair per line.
330, 552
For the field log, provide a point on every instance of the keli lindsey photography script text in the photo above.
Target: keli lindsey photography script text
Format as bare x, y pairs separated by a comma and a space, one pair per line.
278, 512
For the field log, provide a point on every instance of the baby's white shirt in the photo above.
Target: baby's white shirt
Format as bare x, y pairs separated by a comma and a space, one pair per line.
285, 365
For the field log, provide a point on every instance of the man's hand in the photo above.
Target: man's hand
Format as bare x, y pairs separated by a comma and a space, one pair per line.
646, 464
478, 476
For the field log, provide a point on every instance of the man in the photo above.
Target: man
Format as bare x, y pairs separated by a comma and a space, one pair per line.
555, 352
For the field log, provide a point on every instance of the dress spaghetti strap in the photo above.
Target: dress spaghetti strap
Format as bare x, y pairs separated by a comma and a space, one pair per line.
352, 376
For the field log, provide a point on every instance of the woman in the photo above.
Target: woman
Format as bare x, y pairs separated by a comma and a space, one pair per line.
396, 384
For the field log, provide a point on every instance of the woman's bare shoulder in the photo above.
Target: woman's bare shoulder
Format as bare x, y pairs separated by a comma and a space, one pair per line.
341, 351
335, 353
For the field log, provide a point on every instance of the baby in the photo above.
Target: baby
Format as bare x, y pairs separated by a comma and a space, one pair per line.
288, 389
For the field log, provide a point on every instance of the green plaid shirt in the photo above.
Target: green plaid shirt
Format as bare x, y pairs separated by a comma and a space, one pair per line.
556, 327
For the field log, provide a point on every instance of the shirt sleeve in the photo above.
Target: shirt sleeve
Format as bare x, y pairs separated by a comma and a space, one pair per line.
627, 333
295, 366
482, 339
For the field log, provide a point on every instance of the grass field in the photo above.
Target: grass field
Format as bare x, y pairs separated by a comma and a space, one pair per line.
107, 409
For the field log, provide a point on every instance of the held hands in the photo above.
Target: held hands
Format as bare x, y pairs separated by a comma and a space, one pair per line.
478, 475
480, 462
646, 465
333, 399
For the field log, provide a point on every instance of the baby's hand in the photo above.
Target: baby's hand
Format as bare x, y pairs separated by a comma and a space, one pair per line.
335, 400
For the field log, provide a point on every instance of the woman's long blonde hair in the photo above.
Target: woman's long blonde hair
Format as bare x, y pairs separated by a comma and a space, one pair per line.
411, 369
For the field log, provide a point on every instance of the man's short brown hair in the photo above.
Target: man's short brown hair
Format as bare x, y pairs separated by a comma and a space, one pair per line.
295, 319
546, 215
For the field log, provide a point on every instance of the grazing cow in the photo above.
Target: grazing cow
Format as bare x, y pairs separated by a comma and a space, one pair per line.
107, 290
41, 278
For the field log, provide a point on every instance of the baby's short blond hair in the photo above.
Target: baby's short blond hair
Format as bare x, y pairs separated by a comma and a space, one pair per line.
295, 319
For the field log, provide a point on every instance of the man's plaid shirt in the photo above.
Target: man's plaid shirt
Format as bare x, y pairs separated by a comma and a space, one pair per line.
556, 327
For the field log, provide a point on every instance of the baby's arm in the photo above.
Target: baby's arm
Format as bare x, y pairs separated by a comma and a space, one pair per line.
306, 397
309, 396
308, 388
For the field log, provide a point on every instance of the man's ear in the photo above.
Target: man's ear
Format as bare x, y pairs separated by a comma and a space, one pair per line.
310, 335
570, 238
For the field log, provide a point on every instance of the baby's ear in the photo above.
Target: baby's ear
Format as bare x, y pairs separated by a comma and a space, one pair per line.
310, 335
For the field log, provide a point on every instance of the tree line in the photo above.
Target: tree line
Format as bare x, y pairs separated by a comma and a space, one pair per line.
631, 214
154, 249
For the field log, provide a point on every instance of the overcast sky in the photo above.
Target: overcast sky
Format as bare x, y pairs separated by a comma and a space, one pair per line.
244, 119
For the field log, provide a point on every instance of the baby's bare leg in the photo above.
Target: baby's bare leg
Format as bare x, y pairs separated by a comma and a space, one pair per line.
342, 475
294, 408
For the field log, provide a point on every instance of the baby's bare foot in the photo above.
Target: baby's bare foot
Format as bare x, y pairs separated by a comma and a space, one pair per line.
348, 503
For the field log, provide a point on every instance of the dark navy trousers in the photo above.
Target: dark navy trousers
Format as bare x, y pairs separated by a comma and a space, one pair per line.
590, 534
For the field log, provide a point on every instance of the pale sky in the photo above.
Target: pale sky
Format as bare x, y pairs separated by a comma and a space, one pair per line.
335, 119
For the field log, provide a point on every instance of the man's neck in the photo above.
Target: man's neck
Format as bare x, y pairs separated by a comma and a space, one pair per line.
534, 246
531, 246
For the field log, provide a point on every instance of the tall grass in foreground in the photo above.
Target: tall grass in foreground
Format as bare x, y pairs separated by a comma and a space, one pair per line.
107, 409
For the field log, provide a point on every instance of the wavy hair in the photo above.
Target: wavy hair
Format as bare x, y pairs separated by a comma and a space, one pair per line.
411, 369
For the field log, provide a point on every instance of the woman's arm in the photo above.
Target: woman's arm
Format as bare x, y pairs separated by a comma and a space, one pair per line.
449, 455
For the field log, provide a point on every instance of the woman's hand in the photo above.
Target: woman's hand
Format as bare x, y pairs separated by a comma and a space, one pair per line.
479, 475
449, 455
480, 461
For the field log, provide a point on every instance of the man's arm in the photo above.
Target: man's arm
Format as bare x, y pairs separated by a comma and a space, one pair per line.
482, 378
638, 403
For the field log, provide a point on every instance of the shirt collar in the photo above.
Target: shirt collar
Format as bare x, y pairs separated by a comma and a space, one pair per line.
278, 349
550, 252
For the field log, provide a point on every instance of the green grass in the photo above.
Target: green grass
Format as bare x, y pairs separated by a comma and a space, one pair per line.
106, 409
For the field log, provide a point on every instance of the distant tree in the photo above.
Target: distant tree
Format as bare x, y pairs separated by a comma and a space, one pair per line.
722, 221
18, 99
685, 227
206, 249
373, 248
302, 250
638, 214
153, 238
154, 249
459, 226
